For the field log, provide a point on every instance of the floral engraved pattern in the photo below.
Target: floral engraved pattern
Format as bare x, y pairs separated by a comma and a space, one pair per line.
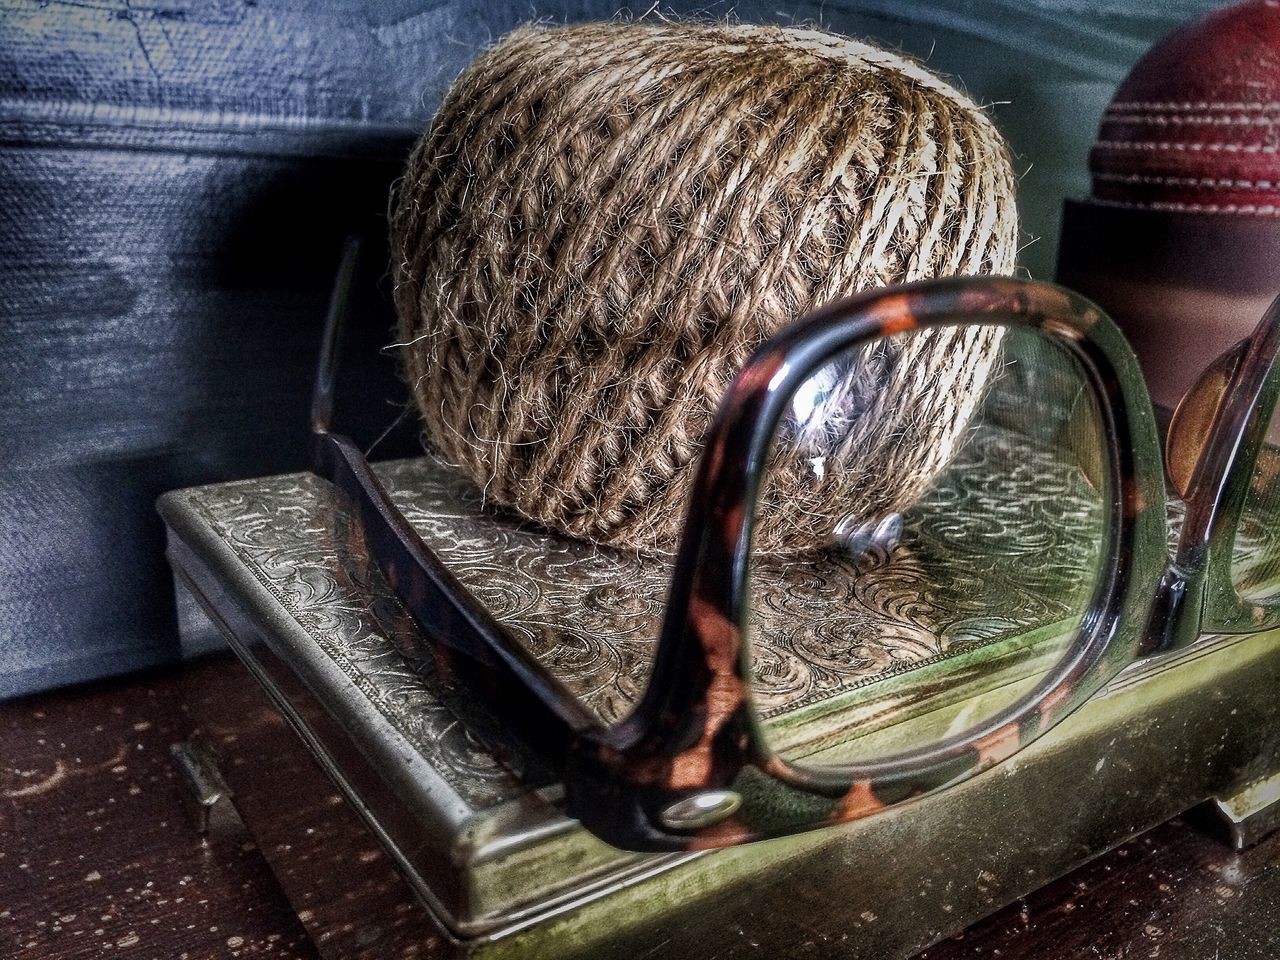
1009, 542
287, 531
1255, 560
819, 625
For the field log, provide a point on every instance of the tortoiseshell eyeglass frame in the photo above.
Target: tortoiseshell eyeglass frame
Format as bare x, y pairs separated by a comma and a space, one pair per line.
689, 768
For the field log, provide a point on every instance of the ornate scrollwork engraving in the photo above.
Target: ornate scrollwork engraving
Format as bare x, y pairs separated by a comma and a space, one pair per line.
818, 625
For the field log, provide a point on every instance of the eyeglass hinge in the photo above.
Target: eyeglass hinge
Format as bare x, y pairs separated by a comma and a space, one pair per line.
1172, 624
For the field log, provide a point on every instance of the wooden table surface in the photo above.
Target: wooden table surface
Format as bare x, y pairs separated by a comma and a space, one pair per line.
97, 859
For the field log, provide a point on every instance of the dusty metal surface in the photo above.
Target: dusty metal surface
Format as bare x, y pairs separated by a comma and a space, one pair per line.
592, 616
1249, 814
98, 860
494, 860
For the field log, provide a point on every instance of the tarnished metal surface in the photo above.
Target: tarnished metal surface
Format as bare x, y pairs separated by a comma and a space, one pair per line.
1250, 813
482, 851
319, 613
282, 531
492, 858
592, 616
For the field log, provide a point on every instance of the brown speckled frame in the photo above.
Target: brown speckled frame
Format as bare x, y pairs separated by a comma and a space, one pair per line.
690, 768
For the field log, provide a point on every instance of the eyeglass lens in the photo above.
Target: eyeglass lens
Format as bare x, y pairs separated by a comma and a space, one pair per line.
1255, 555
930, 534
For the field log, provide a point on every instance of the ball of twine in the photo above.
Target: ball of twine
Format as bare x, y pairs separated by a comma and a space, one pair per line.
604, 221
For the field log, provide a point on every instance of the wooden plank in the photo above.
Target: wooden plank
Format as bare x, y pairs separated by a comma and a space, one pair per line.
95, 857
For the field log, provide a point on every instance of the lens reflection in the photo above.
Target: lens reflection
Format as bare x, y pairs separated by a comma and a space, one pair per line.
934, 526
1255, 557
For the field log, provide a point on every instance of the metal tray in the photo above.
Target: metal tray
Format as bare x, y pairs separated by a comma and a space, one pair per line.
497, 865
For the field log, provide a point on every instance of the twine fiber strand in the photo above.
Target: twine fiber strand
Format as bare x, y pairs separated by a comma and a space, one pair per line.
604, 221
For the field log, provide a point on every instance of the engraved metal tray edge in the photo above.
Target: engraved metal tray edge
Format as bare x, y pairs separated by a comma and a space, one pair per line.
184, 518
506, 827
176, 504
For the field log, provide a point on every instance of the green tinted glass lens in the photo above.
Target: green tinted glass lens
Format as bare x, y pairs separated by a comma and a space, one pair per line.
929, 535
1255, 555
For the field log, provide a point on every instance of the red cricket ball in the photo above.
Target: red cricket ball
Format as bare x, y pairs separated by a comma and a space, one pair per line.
1196, 126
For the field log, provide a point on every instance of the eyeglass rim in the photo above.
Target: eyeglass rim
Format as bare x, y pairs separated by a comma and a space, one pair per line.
619, 779
1221, 480
1138, 619
708, 600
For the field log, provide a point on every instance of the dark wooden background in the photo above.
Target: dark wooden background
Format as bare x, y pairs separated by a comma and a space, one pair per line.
175, 179
98, 860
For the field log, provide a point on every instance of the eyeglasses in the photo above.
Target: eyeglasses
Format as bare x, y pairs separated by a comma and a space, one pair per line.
928, 523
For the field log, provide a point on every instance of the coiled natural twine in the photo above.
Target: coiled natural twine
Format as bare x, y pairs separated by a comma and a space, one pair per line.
604, 221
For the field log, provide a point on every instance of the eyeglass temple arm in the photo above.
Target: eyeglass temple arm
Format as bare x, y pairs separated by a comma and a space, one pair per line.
1216, 421
327, 367
464, 636
1214, 426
